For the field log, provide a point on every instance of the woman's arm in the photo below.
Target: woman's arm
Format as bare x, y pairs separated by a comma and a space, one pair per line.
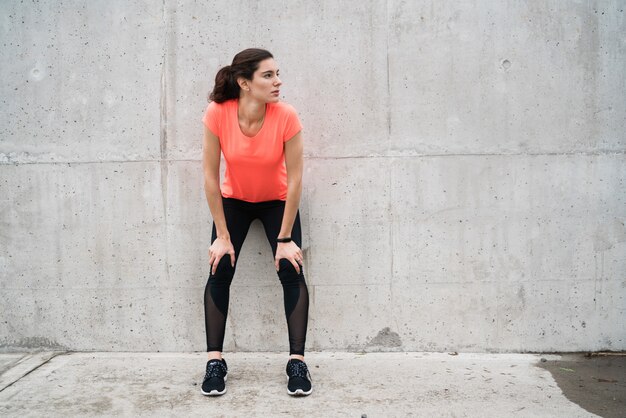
294, 163
211, 166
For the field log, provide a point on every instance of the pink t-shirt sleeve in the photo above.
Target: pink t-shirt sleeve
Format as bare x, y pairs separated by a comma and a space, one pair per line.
292, 124
211, 118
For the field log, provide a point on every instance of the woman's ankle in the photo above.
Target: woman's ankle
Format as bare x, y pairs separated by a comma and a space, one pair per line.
296, 356
215, 355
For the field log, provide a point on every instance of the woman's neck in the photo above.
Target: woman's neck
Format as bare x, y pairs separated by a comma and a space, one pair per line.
250, 110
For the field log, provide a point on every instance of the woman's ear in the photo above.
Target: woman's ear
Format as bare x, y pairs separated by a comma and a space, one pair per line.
243, 84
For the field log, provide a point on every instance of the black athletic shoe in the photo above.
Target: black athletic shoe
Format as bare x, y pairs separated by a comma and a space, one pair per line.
299, 378
215, 378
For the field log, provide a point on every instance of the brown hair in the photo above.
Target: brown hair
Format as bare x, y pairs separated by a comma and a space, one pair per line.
244, 65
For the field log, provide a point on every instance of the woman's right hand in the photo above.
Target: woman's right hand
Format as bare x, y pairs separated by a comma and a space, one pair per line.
218, 249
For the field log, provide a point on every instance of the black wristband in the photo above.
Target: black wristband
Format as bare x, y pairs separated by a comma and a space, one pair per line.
286, 239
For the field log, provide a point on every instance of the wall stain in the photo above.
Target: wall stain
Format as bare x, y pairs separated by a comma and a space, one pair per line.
8, 345
385, 338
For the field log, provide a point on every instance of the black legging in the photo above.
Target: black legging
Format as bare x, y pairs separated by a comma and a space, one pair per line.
239, 215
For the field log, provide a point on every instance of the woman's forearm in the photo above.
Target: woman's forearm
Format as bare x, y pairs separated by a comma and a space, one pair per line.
294, 191
214, 199
294, 163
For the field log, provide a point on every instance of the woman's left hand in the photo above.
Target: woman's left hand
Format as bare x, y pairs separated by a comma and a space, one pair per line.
291, 252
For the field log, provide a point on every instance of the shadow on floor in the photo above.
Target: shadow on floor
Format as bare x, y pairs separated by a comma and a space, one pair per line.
596, 381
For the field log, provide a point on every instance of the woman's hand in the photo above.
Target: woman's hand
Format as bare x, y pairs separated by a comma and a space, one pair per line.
219, 248
291, 252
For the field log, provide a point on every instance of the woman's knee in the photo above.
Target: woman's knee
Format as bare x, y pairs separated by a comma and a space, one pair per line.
287, 273
224, 270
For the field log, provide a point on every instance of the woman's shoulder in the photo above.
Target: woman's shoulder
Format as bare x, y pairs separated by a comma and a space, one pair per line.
283, 108
223, 105
217, 110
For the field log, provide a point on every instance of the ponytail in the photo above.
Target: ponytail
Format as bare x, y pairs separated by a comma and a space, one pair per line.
226, 86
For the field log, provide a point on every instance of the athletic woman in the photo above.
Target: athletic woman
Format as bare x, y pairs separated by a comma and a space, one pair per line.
261, 141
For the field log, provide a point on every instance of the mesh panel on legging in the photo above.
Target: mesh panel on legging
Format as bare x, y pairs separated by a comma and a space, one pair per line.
216, 297
296, 297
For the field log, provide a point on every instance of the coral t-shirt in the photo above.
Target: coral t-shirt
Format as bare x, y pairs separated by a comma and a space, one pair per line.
255, 166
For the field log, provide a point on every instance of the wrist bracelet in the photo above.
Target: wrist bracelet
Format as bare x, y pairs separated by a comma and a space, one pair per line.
286, 239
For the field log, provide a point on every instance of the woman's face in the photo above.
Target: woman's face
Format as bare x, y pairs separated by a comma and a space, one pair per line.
265, 83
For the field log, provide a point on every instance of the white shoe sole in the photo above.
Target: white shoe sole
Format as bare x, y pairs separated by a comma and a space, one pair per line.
300, 392
215, 392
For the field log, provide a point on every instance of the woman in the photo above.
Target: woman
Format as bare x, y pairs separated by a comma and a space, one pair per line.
262, 146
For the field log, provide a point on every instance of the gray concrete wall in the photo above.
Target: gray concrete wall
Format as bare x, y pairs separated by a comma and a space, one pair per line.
464, 181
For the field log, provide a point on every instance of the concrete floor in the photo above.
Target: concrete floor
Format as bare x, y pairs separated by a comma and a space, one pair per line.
345, 384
